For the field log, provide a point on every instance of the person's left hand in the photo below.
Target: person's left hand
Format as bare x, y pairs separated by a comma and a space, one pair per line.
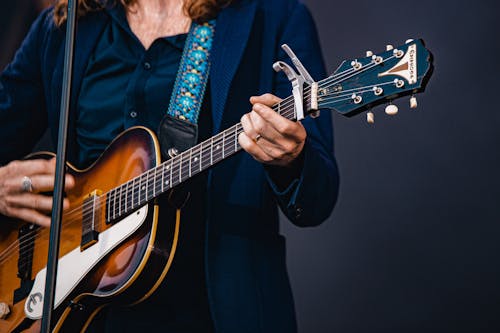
269, 137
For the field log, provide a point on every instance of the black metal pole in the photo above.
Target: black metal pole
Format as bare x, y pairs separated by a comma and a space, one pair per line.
57, 208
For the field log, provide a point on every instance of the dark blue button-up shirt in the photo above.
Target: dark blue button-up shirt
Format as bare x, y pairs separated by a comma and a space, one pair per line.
127, 85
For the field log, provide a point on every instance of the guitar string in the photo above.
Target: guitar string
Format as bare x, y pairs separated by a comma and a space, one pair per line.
236, 130
231, 136
350, 70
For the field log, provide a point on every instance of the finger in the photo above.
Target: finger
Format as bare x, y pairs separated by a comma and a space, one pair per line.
266, 99
39, 183
30, 215
248, 128
253, 149
263, 128
46, 183
32, 167
285, 127
272, 142
42, 203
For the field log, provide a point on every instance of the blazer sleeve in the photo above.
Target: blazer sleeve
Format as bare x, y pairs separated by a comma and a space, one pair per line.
22, 103
312, 184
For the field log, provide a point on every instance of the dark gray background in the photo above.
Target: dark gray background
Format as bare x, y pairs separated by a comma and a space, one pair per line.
413, 243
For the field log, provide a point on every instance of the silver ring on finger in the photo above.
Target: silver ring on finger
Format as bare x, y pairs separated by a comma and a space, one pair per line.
27, 184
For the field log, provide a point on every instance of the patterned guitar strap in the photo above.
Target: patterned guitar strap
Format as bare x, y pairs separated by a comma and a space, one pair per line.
178, 129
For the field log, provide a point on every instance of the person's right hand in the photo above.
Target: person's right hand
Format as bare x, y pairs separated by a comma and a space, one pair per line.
29, 204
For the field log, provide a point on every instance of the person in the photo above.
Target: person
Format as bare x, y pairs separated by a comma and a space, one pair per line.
229, 273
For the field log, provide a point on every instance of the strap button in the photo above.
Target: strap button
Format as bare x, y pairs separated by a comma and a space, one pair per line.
147, 66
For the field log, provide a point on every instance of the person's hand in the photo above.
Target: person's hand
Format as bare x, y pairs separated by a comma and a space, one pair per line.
269, 137
21, 185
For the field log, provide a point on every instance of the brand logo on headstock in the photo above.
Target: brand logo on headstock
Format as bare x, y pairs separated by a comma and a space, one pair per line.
406, 67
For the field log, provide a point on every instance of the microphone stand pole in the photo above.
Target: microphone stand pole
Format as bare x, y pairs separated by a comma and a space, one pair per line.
55, 227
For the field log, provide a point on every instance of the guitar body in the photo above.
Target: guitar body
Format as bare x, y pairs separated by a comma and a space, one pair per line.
124, 264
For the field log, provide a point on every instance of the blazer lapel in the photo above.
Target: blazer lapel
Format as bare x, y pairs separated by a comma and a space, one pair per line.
233, 28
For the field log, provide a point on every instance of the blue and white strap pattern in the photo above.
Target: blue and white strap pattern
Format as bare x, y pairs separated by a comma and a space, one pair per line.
192, 77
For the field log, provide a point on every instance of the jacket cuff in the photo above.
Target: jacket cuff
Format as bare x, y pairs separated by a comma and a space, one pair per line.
285, 182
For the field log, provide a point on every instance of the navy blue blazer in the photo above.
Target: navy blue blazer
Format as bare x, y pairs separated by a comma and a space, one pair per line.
246, 275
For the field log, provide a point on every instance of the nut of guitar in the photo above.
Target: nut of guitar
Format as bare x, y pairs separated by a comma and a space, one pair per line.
4, 310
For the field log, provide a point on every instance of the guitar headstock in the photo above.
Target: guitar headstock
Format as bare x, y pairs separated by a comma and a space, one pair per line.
363, 83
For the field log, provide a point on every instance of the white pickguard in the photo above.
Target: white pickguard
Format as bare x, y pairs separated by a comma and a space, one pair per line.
74, 266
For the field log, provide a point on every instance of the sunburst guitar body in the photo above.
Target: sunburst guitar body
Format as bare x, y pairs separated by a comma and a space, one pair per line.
106, 248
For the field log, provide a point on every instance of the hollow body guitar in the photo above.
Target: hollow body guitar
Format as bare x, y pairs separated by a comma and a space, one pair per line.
115, 245
108, 241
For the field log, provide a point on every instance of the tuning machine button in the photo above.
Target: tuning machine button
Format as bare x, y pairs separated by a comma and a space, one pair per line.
389, 47
413, 102
408, 41
369, 53
391, 109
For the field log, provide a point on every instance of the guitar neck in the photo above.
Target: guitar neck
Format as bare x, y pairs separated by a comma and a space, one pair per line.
130, 196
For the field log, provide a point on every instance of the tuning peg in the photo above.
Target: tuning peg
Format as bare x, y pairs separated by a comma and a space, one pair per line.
413, 102
370, 117
369, 53
408, 41
391, 109
389, 47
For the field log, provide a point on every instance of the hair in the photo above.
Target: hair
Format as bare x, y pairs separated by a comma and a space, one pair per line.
199, 11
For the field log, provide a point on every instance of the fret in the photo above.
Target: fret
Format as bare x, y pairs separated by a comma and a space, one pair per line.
126, 196
223, 143
180, 169
190, 158
279, 108
217, 147
154, 182
108, 204
171, 166
146, 189
114, 204
201, 156
119, 191
133, 192
141, 188
235, 138
163, 177
211, 150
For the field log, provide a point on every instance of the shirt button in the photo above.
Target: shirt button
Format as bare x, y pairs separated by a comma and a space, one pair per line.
147, 66
133, 114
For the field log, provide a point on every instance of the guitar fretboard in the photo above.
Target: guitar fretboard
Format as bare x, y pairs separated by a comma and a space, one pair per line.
130, 196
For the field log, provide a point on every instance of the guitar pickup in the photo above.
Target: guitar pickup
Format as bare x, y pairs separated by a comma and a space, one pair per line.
91, 219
